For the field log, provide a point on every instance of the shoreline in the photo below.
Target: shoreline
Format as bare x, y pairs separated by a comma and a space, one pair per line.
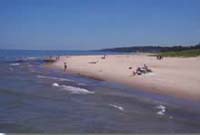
170, 76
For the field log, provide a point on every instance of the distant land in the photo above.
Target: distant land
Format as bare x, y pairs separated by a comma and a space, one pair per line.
152, 49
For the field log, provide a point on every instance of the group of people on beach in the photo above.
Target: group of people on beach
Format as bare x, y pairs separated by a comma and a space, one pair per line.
142, 70
139, 71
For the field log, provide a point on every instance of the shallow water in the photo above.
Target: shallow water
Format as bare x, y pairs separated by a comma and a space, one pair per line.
35, 99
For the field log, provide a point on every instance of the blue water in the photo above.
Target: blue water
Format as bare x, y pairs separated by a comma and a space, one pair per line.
36, 99
21, 54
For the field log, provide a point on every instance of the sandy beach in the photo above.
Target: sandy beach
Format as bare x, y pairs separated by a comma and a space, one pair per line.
179, 77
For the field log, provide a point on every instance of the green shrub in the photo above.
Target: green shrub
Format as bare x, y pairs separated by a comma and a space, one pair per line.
186, 53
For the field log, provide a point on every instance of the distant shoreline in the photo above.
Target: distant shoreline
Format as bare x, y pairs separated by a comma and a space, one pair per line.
178, 77
152, 49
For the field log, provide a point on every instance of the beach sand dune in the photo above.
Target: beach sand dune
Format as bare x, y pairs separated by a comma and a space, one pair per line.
179, 77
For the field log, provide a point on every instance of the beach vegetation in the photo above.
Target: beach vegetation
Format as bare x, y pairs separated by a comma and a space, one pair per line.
184, 53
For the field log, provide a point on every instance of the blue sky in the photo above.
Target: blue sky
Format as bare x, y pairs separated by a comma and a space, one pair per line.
94, 24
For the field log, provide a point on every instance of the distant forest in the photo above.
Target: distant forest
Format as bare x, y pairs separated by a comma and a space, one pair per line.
152, 49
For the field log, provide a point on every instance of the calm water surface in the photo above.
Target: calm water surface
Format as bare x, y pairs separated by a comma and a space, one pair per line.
35, 99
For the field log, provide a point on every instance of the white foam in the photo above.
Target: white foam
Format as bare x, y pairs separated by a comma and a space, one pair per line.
160, 113
14, 64
54, 78
72, 89
162, 109
55, 84
76, 90
117, 107
31, 58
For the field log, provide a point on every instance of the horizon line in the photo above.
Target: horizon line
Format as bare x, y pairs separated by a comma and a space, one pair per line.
178, 45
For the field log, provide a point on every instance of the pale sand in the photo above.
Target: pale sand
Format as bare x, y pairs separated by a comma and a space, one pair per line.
179, 77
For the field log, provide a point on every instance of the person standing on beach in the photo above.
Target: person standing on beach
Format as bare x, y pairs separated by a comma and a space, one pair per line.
65, 66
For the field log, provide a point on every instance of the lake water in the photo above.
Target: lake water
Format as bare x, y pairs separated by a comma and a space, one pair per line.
36, 99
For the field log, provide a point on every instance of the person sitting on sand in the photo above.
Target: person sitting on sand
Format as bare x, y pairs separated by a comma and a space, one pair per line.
65, 66
139, 71
146, 68
142, 70
104, 57
134, 73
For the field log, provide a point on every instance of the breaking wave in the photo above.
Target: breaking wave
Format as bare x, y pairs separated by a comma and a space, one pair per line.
161, 110
54, 78
14, 64
117, 107
73, 89
55, 85
32, 58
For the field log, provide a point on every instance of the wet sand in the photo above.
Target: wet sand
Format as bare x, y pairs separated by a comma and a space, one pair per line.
178, 77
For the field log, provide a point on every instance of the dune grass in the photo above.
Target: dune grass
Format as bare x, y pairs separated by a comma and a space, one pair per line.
186, 53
